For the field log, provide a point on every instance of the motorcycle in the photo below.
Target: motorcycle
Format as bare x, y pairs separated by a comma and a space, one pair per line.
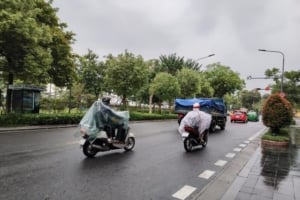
191, 138
92, 145
103, 129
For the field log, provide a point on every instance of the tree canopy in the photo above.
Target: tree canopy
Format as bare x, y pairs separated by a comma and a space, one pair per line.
125, 74
34, 46
189, 82
223, 79
91, 73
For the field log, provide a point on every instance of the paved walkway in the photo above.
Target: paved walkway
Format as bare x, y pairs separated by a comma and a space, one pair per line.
259, 173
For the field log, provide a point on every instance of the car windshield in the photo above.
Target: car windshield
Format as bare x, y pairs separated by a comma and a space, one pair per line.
237, 113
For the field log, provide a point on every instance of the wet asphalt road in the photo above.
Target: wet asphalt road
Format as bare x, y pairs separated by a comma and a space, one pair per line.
48, 164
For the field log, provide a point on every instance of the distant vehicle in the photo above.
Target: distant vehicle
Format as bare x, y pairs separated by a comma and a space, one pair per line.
239, 116
214, 106
253, 116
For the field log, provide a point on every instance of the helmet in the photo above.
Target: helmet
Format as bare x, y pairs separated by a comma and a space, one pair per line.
196, 106
106, 100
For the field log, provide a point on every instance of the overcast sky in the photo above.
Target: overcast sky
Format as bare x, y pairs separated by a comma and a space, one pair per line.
233, 30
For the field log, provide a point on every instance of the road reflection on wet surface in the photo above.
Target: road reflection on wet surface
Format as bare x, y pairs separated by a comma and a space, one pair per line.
279, 164
276, 163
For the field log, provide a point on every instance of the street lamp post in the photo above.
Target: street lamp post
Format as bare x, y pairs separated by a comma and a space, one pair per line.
205, 57
282, 72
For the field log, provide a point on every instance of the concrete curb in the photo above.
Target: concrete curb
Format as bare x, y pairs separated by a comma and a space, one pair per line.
13, 129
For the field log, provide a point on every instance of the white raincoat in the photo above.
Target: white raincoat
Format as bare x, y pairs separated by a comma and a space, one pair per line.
195, 118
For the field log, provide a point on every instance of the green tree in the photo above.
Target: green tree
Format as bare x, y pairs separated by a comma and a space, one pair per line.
250, 98
91, 73
34, 46
125, 74
233, 101
290, 85
206, 90
142, 96
170, 64
192, 64
189, 82
223, 80
165, 87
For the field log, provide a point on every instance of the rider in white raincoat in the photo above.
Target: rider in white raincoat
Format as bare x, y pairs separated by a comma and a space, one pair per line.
196, 118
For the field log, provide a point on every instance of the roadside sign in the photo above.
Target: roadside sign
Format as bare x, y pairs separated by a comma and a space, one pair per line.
282, 94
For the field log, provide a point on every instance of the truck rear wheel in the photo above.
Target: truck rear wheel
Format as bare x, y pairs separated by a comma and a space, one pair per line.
212, 127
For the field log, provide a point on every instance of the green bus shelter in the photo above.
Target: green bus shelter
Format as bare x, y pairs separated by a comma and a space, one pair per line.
25, 98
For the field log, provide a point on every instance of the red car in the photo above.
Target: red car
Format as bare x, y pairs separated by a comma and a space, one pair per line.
239, 116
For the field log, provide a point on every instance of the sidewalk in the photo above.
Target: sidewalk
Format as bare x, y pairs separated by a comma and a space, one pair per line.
272, 174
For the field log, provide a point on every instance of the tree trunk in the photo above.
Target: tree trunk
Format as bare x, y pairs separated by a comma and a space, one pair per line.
9, 92
150, 103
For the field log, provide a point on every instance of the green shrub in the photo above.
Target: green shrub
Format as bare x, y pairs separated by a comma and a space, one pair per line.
39, 119
283, 136
277, 113
136, 116
67, 118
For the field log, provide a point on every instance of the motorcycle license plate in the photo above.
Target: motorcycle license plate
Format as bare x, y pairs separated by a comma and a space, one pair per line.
185, 134
81, 142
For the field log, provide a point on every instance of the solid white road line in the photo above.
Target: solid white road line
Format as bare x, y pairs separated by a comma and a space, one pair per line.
184, 192
257, 134
221, 163
206, 174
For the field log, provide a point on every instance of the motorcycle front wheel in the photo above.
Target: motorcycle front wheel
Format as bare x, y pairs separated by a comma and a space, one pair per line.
130, 143
88, 150
188, 146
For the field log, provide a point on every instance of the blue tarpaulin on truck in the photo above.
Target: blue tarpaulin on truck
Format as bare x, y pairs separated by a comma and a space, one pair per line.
206, 104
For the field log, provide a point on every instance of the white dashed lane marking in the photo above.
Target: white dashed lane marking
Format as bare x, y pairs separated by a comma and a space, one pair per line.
230, 155
221, 163
184, 192
237, 149
242, 145
206, 174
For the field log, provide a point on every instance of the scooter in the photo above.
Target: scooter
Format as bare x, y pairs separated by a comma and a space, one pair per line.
191, 138
91, 145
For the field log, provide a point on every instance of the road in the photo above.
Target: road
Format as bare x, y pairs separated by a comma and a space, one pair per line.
48, 164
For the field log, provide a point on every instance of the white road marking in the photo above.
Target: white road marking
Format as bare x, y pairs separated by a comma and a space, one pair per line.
242, 145
230, 155
247, 141
237, 149
221, 163
206, 174
257, 134
184, 192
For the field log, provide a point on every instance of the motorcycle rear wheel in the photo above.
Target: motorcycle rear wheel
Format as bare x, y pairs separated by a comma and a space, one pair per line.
188, 146
130, 143
205, 138
88, 150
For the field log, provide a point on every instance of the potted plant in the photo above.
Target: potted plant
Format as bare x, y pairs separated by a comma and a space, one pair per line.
277, 114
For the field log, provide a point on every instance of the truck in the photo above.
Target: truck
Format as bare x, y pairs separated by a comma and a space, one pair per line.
214, 106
